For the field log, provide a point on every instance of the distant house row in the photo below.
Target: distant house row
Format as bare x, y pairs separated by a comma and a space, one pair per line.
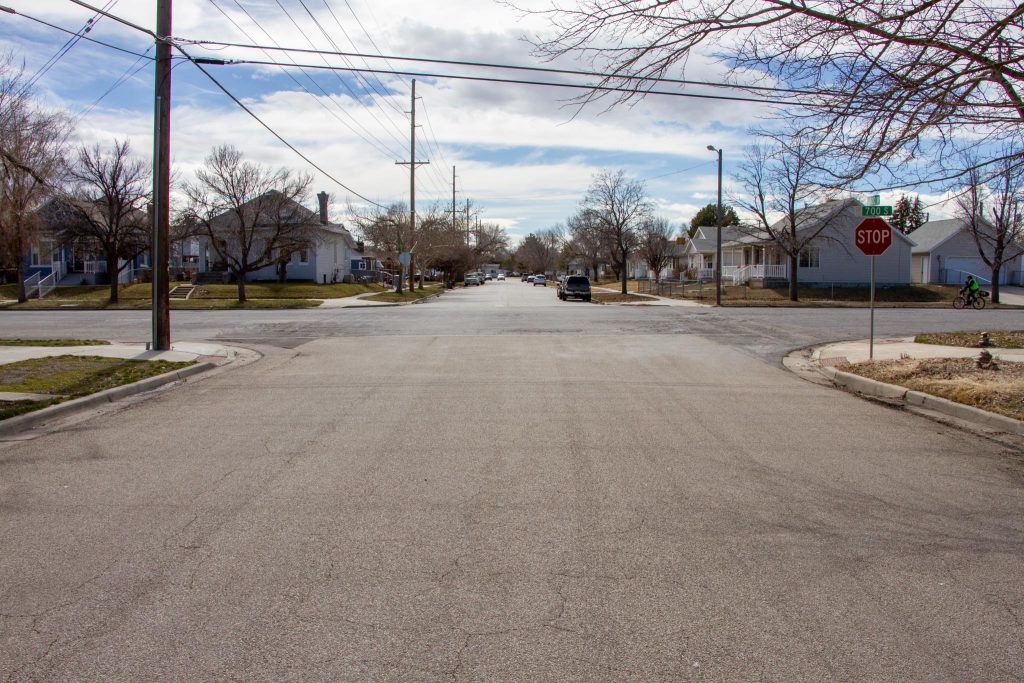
939, 252
334, 255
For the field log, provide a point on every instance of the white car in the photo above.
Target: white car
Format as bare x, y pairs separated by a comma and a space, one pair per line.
540, 280
501, 276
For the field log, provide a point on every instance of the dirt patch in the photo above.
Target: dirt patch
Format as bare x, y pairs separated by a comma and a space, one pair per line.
1002, 340
620, 298
956, 379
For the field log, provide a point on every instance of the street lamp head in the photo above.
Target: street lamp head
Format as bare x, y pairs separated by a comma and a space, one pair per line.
711, 148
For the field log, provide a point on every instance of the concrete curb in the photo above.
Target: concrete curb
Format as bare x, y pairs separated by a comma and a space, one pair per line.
29, 420
892, 392
436, 295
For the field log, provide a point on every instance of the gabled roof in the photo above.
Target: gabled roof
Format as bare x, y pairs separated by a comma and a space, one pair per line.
291, 211
58, 212
705, 239
933, 234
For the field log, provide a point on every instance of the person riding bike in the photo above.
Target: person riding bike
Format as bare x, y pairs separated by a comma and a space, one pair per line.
970, 288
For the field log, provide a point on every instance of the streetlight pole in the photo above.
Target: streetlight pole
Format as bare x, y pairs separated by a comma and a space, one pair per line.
718, 223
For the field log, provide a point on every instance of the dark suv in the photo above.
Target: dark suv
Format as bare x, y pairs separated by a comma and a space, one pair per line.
577, 286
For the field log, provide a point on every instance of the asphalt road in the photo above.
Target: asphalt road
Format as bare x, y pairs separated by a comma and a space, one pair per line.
499, 486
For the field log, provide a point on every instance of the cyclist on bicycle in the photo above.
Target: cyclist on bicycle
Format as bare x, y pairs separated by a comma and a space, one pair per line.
970, 288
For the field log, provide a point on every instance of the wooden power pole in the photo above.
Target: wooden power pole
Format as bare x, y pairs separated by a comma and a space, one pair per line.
412, 163
162, 181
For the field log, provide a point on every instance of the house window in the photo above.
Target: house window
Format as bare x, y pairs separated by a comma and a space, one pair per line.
810, 257
304, 256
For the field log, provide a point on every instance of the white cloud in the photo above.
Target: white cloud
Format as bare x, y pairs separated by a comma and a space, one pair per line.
521, 153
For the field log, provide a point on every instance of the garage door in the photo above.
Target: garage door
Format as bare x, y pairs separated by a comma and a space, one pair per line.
957, 269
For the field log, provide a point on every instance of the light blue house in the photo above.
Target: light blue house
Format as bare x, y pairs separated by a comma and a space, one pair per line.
326, 253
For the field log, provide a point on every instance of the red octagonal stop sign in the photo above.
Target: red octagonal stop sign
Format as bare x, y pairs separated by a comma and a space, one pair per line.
873, 236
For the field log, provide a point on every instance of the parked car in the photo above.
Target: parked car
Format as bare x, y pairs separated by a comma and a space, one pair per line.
488, 277
472, 281
540, 280
501, 276
529, 278
574, 286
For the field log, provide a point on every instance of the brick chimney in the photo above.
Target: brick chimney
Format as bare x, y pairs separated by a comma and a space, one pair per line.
323, 207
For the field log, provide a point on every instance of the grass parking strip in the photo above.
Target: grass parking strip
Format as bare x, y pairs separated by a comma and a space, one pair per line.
68, 377
1000, 339
956, 379
405, 297
53, 342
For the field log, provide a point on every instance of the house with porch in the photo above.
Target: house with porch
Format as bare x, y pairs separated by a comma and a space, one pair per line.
946, 253
331, 255
750, 256
53, 261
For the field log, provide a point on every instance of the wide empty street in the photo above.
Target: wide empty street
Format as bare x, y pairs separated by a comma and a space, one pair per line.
499, 486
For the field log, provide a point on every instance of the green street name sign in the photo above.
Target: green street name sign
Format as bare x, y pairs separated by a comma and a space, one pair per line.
871, 211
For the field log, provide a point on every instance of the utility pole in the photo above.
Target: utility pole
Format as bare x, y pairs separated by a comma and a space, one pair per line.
453, 197
161, 180
467, 222
412, 163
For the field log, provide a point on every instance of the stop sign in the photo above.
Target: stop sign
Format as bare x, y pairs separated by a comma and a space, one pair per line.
873, 236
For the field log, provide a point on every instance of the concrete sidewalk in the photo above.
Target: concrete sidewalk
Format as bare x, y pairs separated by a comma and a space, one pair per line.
825, 359
180, 352
207, 357
658, 300
357, 301
1011, 295
891, 349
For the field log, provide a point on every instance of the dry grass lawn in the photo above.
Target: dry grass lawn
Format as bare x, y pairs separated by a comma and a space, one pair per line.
1003, 340
957, 379
620, 298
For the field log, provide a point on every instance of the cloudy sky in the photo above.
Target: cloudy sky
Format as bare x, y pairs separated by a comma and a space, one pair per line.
523, 154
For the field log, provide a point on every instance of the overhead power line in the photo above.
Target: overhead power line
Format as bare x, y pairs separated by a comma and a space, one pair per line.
351, 124
74, 33
515, 81
277, 135
518, 67
227, 92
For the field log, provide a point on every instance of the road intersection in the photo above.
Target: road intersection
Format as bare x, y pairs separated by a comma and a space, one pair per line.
502, 486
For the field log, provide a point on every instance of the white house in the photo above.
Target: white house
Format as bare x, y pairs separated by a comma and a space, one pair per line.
830, 257
946, 253
332, 256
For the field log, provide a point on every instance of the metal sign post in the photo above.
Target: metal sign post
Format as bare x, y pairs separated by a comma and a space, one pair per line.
873, 237
871, 344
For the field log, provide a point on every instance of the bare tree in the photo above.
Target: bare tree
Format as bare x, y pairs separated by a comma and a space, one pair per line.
618, 207
656, 244
490, 241
586, 240
994, 213
107, 207
540, 251
780, 188
439, 244
388, 232
883, 81
32, 145
250, 213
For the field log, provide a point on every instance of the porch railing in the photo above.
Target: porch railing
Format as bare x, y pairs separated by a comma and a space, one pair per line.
32, 284
95, 266
47, 284
739, 275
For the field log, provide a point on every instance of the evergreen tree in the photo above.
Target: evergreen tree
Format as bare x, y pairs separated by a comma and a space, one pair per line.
918, 217
708, 217
901, 215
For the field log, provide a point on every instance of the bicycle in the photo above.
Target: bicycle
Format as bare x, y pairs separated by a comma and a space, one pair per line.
977, 302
